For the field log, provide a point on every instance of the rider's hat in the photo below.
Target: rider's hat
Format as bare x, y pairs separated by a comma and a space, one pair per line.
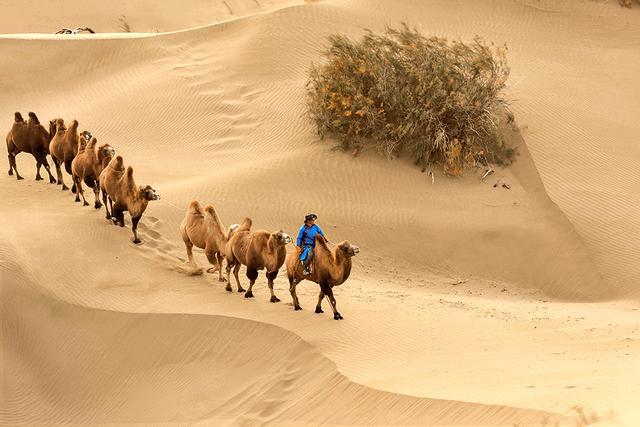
310, 217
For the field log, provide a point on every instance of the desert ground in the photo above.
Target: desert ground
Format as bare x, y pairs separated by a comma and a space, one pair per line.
468, 304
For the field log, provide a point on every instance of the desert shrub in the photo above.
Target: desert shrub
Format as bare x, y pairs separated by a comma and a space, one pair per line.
627, 3
400, 91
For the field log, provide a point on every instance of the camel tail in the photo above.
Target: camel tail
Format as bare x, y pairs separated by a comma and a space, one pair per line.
67, 166
32, 116
246, 225
194, 207
17, 117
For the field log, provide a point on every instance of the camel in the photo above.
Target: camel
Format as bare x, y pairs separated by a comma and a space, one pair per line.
87, 166
330, 269
124, 195
256, 250
64, 147
29, 137
203, 229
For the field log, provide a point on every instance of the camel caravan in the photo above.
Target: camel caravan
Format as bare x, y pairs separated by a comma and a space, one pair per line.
98, 167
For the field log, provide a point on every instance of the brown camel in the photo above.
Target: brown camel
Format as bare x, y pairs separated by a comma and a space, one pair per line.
203, 229
29, 137
87, 166
64, 147
330, 269
256, 250
124, 195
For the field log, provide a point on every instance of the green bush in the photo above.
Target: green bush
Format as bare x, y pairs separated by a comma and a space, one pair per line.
401, 92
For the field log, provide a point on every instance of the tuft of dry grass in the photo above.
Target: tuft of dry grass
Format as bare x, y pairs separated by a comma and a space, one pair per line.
123, 24
400, 91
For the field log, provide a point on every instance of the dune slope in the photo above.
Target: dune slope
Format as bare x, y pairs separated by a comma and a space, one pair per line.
69, 364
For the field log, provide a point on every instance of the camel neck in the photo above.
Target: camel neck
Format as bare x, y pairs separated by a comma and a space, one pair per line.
105, 161
271, 244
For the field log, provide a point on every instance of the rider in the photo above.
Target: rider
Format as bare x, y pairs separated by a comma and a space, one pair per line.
307, 240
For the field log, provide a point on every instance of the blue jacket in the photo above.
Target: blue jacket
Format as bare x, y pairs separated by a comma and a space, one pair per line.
310, 238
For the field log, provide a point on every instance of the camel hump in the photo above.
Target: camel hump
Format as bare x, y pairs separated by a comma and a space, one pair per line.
17, 117
130, 172
321, 242
92, 143
119, 163
74, 124
195, 207
33, 117
246, 224
211, 210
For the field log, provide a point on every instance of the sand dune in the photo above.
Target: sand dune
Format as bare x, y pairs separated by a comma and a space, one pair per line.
144, 16
462, 292
70, 364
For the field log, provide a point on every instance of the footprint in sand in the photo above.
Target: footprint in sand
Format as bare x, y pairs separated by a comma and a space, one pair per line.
152, 219
154, 234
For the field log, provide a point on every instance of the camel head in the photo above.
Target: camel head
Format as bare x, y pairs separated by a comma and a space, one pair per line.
348, 249
86, 135
281, 238
60, 127
105, 151
148, 193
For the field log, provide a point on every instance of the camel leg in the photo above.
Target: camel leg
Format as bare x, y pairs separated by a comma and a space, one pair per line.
74, 178
134, 228
271, 276
319, 305
215, 259
57, 163
110, 205
38, 166
252, 275
328, 290
106, 207
80, 192
45, 163
118, 215
12, 165
228, 287
292, 290
189, 246
96, 196
67, 166
236, 269
220, 258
